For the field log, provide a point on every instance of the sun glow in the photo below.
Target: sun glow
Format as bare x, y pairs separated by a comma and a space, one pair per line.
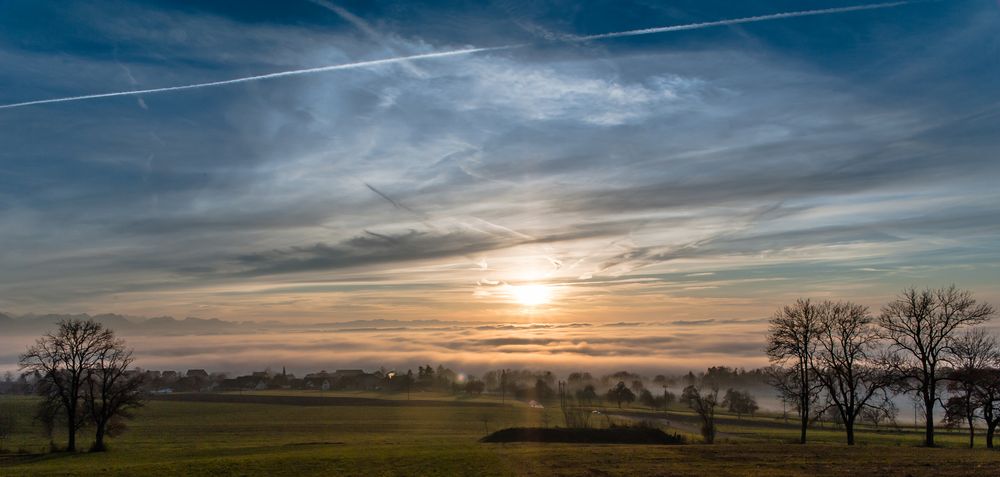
531, 295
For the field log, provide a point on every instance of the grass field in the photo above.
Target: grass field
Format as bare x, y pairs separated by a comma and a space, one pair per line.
205, 438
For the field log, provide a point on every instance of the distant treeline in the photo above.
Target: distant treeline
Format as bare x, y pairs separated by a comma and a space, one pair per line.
520, 384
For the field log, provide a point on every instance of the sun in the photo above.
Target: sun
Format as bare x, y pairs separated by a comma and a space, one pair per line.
531, 295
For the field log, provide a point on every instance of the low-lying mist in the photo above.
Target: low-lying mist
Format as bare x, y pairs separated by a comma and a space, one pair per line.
467, 347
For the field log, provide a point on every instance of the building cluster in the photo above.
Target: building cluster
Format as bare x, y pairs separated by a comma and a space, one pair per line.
201, 380
163, 382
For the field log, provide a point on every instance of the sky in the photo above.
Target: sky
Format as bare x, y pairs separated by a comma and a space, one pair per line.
690, 180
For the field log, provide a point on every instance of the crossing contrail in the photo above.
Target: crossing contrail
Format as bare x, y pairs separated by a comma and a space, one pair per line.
367, 29
465, 51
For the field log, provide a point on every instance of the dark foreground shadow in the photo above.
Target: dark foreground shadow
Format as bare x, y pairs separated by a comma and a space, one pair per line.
613, 435
12, 459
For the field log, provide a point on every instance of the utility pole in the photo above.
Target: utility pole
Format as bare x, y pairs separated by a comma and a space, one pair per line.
664, 399
409, 382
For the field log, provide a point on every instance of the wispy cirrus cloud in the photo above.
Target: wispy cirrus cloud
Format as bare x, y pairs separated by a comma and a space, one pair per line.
620, 173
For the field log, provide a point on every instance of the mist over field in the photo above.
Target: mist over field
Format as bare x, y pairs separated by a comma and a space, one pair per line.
221, 346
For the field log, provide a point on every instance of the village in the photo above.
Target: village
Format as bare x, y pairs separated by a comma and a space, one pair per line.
201, 380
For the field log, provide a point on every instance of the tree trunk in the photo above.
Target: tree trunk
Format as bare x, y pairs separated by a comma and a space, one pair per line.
928, 422
990, 429
805, 424
71, 429
804, 410
972, 433
849, 425
99, 438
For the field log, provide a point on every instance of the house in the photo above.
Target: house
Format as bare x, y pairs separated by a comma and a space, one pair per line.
347, 379
282, 381
348, 373
357, 379
315, 380
371, 382
197, 373
239, 383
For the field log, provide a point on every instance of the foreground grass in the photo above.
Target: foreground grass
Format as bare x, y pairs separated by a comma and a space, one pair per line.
195, 438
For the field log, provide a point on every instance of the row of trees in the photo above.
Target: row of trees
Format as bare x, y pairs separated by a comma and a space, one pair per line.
524, 384
83, 380
837, 355
702, 396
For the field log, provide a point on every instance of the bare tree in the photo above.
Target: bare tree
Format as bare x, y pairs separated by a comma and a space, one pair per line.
62, 359
111, 393
792, 338
846, 362
587, 394
970, 357
884, 412
739, 402
703, 399
620, 393
989, 402
918, 325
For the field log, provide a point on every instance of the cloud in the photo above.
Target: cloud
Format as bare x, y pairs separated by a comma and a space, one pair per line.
620, 173
617, 94
372, 248
542, 93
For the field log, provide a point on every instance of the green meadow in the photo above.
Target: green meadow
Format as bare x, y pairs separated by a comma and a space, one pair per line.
438, 435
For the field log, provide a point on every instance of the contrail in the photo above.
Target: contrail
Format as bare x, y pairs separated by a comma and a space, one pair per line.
280, 74
468, 51
736, 21
365, 28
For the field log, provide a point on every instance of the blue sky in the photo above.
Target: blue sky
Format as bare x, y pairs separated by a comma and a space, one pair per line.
705, 174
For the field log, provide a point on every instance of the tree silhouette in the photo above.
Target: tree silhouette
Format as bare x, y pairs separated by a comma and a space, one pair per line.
791, 345
702, 398
739, 402
970, 357
621, 393
63, 359
919, 325
847, 362
587, 395
110, 391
